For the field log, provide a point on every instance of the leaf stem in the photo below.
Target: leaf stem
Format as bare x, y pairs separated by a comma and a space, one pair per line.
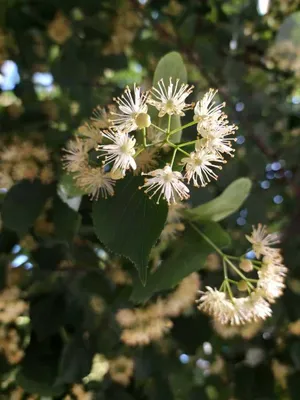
169, 124
173, 158
187, 143
183, 127
238, 271
207, 239
144, 137
158, 128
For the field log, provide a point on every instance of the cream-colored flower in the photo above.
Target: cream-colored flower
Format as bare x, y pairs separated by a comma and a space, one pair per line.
216, 136
130, 107
171, 99
126, 317
100, 118
167, 184
271, 281
100, 366
95, 182
121, 152
11, 306
91, 132
261, 241
206, 110
199, 166
76, 155
215, 303
234, 311
255, 307
121, 370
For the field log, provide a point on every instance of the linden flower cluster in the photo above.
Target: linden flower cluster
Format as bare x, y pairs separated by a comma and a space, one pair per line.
11, 308
24, 160
227, 309
144, 325
133, 143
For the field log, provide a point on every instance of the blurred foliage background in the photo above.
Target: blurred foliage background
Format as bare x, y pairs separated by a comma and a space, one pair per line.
60, 291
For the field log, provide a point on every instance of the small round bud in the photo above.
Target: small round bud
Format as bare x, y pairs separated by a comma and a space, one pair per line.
242, 286
143, 120
116, 174
246, 265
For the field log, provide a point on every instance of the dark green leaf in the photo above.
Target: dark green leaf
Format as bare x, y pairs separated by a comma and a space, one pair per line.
189, 255
294, 385
224, 205
130, 223
23, 204
38, 368
76, 360
47, 313
66, 221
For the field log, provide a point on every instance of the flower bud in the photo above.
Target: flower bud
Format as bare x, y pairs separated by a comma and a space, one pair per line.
116, 174
143, 120
242, 286
246, 265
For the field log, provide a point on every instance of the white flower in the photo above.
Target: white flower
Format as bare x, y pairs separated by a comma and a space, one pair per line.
215, 136
170, 100
234, 311
258, 306
100, 118
76, 155
121, 152
206, 110
167, 183
261, 241
214, 302
130, 108
271, 288
271, 278
199, 166
95, 181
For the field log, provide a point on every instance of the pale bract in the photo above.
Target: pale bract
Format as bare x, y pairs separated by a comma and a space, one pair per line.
167, 184
130, 106
121, 152
171, 99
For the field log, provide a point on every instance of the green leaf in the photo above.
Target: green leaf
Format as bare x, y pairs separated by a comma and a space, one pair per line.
129, 223
48, 310
224, 205
38, 369
76, 360
66, 221
67, 185
23, 204
171, 65
189, 254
